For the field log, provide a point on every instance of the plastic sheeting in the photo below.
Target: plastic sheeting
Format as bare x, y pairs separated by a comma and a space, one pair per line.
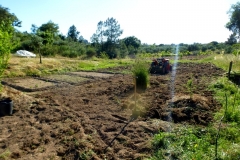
25, 53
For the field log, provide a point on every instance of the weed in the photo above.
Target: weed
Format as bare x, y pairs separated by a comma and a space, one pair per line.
5, 154
86, 155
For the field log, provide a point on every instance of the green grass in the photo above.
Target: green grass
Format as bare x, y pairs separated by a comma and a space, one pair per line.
190, 142
5, 155
228, 94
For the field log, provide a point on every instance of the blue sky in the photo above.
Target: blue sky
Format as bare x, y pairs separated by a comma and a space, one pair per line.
152, 21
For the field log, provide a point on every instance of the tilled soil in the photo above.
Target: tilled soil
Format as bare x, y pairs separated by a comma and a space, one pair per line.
80, 121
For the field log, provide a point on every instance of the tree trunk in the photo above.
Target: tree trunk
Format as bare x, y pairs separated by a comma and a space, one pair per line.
40, 55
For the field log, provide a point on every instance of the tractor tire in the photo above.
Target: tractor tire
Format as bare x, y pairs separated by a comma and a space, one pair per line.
163, 70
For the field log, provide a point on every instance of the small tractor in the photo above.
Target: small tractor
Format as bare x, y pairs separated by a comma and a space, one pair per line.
160, 66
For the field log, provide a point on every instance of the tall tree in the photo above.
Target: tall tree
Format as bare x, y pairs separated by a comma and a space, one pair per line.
73, 33
113, 30
48, 31
100, 33
234, 23
98, 38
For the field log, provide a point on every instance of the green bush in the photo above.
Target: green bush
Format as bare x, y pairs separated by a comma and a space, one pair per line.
91, 52
104, 55
140, 72
72, 54
49, 50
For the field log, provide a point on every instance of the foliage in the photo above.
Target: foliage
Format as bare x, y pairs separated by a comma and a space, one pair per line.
232, 39
223, 88
140, 72
73, 34
49, 27
132, 41
5, 155
196, 143
112, 31
91, 52
7, 20
6, 16
106, 38
123, 49
234, 23
103, 55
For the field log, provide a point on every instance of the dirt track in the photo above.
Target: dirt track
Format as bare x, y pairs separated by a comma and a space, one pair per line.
79, 121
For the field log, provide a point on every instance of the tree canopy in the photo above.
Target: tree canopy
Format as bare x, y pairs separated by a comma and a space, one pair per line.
113, 30
133, 41
7, 23
5, 15
73, 33
234, 23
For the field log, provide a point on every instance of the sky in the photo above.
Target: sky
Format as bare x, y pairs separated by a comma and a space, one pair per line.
151, 21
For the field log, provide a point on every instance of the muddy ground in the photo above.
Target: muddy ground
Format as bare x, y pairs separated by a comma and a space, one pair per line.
80, 120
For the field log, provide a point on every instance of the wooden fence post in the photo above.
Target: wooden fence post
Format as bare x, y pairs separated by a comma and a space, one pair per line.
230, 68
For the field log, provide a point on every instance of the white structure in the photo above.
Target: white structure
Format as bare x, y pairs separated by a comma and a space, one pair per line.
24, 53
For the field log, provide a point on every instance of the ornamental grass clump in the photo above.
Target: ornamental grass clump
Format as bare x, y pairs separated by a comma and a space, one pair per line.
141, 75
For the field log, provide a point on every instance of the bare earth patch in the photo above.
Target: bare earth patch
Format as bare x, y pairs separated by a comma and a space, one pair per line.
67, 78
80, 121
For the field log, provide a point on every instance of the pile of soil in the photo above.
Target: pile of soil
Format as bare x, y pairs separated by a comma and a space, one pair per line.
80, 121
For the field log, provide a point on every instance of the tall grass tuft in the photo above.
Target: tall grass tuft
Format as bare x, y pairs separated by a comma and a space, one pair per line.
140, 72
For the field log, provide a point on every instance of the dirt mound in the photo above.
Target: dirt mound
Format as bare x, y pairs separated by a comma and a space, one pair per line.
194, 110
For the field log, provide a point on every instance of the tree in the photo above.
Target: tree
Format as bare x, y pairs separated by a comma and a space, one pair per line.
37, 43
98, 38
6, 34
48, 31
73, 33
5, 16
7, 23
113, 30
123, 49
34, 28
82, 40
49, 27
232, 39
234, 23
132, 42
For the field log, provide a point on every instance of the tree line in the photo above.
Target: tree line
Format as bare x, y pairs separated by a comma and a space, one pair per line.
46, 39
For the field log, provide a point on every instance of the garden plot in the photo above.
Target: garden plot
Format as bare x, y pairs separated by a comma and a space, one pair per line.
92, 74
71, 79
28, 84
80, 121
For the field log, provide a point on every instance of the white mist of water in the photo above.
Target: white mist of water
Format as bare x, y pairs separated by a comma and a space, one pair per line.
173, 77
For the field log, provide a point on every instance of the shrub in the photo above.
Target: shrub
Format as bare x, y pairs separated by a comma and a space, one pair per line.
49, 50
140, 71
91, 52
104, 55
